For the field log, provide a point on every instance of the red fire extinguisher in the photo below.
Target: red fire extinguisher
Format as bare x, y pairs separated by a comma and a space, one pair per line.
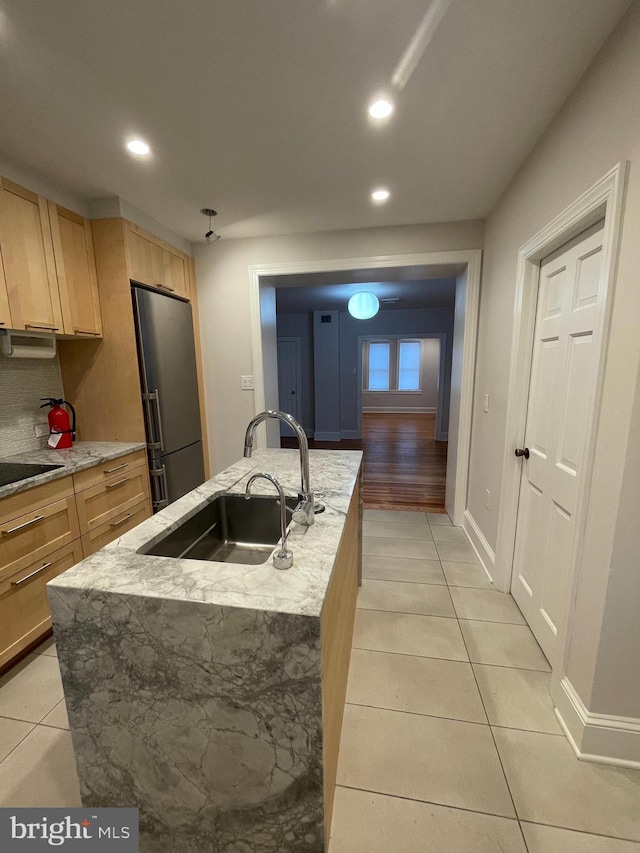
61, 433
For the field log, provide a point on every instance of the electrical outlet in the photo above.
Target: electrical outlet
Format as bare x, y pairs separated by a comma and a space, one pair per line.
41, 430
486, 402
487, 498
246, 383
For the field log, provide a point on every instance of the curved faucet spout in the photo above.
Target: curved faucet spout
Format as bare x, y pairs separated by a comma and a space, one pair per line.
284, 558
304, 513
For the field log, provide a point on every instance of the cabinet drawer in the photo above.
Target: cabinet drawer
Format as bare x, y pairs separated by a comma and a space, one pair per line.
24, 608
116, 468
35, 535
105, 533
32, 499
107, 501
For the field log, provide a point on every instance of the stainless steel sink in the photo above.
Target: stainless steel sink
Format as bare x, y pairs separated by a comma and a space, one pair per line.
230, 529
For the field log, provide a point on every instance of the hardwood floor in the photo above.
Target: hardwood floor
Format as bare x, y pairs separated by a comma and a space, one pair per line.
404, 467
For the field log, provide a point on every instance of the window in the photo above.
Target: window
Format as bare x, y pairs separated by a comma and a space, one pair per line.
379, 359
408, 365
394, 365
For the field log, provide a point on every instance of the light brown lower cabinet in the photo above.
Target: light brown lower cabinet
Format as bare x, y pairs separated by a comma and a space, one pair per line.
24, 608
105, 533
48, 529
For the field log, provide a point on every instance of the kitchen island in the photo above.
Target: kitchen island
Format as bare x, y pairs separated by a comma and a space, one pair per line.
210, 695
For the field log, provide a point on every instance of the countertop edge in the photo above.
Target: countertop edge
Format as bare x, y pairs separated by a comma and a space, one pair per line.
97, 453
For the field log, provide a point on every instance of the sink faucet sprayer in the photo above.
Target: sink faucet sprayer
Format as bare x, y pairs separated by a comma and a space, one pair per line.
306, 508
284, 558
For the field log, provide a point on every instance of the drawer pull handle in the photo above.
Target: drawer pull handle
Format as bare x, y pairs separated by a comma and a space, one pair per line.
117, 468
117, 483
22, 526
32, 575
122, 520
40, 326
80, 331
166, 287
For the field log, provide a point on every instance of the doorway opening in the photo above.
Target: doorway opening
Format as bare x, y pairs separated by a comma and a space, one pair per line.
334, 398
385, 392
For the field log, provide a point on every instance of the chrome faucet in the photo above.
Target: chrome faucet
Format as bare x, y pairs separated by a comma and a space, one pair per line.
306, 508
284, 558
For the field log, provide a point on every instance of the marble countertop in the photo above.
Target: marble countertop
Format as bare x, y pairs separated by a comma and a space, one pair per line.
83, 454
120, 568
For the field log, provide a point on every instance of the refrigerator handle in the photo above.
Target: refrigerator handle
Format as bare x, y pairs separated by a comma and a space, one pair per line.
160, 497
148, 398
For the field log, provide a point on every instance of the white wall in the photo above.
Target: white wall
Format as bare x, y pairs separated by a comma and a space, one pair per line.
223, 290
598, 127
425, 398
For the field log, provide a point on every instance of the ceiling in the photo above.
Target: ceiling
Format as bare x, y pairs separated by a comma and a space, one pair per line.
433, 293
258, 108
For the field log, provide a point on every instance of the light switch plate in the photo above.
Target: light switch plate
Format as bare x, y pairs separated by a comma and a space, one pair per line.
486, 402
487, 498
246, 383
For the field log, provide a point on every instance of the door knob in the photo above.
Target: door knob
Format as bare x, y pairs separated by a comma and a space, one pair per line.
521, 452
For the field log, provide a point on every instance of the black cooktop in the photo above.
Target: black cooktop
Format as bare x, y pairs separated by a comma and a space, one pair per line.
13, 472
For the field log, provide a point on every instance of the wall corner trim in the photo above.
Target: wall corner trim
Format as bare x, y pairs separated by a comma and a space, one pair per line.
600, 738
479, 544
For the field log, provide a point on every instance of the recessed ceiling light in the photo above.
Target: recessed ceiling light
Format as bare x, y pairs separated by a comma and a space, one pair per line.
380, 108
380, 195
139, 147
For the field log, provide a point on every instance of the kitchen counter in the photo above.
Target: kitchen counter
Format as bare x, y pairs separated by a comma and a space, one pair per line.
118, 568
83, 454
210, 695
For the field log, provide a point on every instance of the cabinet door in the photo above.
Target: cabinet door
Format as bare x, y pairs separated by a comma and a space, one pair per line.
146, 260
24, 607
27, 255
76, 271
155, 263
5, 313
176, 274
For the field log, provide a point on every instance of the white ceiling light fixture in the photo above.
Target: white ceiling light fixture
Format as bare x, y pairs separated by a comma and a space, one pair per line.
381, 107
138, 147
363, 305
380, 195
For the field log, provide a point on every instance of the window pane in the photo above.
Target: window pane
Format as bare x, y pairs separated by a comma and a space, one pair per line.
378, 366
409, 366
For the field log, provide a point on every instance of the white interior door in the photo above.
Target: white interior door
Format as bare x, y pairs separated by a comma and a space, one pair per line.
561, 397
289, 379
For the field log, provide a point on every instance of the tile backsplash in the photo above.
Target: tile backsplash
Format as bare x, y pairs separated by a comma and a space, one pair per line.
22, 382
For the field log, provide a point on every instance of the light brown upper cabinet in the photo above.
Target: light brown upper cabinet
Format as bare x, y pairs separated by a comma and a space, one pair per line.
27, 256
76, 270
155, 263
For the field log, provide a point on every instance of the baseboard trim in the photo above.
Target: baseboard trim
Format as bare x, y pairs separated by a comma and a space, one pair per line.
327, 436
479, 544
599, 738
398, 410
349, 433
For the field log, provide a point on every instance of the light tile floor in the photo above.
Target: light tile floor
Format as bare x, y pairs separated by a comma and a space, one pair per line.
449, 741
37, 767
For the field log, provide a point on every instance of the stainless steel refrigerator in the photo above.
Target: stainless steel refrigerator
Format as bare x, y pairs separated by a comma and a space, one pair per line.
167, 356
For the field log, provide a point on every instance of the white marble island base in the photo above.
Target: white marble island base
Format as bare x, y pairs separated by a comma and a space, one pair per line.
219, 721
